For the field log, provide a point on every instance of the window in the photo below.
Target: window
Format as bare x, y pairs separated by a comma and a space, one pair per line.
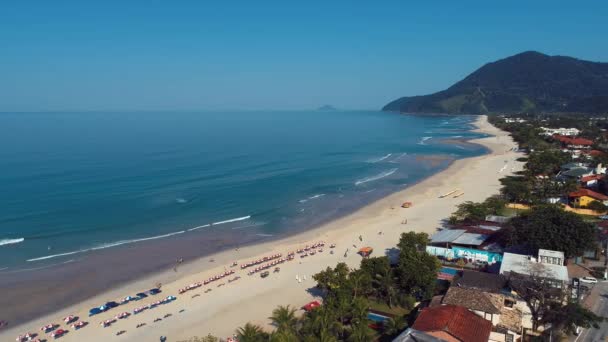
509, 338
509, 303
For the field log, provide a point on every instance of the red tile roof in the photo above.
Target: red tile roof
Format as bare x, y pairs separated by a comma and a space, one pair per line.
591, 177
589, 193
456, 321
573, 141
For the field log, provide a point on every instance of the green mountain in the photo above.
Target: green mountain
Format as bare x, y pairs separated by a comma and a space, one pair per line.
527, 82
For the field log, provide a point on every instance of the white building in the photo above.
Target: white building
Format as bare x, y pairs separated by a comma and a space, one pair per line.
570, 132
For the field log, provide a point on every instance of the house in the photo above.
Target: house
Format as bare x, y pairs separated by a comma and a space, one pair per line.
460, 243
488, 282
575, 173
454, 324
543, 267
504, 311
591, 181
572, 132
573, 143
413, 335
583, 197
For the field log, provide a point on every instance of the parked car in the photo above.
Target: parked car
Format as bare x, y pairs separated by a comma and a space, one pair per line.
603, 217
588, 280
141, 295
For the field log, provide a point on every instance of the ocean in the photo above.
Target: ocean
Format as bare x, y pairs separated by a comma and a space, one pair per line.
92, 200
77, 183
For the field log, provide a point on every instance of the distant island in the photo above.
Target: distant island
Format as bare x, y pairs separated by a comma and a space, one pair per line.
327, 108
528, 82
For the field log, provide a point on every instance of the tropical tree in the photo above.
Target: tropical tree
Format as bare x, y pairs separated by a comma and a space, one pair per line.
284, 318
251, 333
393, 326
567, 318
550, 227
360, 332
417, 270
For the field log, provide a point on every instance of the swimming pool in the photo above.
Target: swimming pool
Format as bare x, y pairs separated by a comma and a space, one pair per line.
447, 270
377, 318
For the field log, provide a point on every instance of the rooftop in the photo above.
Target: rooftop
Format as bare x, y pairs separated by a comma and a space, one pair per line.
473, 299
456, 321
588, 193
458, 236
413, 335
481, 280
447, 235
471, 239
524, 264
577, 172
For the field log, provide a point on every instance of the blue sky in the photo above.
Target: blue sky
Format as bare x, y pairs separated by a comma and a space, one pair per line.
167, 55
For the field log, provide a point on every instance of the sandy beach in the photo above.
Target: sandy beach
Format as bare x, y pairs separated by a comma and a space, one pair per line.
251, 298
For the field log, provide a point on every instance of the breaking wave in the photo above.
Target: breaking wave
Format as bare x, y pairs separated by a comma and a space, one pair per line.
423, 140
199, 227
311, 198
10, 241
104, 246
376, 177
373, 161
232, 220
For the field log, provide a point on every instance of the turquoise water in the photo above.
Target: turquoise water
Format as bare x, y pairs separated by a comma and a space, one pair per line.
73, 184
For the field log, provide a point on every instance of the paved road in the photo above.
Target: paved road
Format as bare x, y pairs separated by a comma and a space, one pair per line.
600, 307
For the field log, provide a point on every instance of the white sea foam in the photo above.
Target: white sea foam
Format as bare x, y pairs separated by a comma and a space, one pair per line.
56, 255
264, 235
10, 241
368, 191
4, 268
379, 159
456, 137
199, 227
376, 177
232, 220
311, 198
181, 200
394, 161
423, 140
124, 242
104, 246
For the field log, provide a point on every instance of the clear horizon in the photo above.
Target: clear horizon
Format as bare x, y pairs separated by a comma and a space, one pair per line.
71, 56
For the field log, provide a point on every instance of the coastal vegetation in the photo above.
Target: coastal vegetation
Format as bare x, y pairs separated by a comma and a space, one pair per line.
550, 227
349, 294
529, 82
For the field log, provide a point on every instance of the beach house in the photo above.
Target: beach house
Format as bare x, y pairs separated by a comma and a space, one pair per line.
453, 323
583, 197
548, 265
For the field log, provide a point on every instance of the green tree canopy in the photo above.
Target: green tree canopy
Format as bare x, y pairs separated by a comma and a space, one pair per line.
550, 227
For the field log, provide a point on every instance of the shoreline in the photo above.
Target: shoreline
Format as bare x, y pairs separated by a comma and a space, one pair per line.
219, 308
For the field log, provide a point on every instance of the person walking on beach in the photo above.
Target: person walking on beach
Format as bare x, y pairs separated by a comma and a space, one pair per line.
360, 238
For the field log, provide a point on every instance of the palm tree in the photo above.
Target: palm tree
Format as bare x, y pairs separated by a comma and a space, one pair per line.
284, 318
360, 332
359, 311
279, 336
251, 333
394, 326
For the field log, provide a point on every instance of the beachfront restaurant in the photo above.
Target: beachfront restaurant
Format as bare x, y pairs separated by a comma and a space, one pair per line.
453, 244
